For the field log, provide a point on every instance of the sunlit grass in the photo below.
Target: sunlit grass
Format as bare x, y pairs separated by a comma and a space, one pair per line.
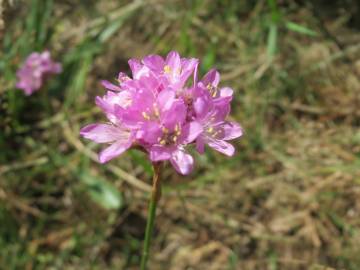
288, 200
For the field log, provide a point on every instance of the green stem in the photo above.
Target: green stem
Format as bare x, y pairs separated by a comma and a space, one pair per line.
155, 196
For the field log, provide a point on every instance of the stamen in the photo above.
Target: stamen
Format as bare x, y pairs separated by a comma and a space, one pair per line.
156, 110
146, 116
167, 69
165, 130
162, 142
214, 134
127, 102
212, 89
177, 130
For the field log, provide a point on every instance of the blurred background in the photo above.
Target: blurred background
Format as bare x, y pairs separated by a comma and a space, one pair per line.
288, 199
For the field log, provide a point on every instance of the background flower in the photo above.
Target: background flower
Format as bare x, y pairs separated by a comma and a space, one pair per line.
36, 68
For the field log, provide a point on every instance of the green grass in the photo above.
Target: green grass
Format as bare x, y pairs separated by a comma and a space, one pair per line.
287, 200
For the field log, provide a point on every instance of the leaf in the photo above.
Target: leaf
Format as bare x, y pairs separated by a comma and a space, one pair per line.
110, 30
44, 27
300, 29
77, 87
275, 12
102, 192
272, 40
210, 56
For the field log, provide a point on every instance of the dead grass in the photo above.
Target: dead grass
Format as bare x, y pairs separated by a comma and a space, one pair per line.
289, 199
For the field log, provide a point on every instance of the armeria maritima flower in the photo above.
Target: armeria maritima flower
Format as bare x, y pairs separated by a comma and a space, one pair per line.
37, 67
162, 111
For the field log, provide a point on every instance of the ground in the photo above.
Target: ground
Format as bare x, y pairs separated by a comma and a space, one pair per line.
288, 199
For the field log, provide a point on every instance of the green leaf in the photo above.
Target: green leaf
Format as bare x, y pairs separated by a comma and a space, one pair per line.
102, 192
44, 27
77, 87
300, 29
110, 30
233, 261
210, 56
275, 12
272, 40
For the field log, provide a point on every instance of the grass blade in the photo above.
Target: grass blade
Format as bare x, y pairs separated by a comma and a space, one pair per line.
272, 41
300, 29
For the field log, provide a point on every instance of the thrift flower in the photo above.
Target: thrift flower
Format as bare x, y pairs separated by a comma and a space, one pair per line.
160, 111
37, 67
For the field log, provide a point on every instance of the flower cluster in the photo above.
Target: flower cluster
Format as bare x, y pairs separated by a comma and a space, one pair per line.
35, 70
162, 111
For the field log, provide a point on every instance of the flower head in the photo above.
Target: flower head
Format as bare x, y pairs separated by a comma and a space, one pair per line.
34, 71
161, 112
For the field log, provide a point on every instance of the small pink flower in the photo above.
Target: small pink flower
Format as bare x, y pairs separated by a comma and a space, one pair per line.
37, 67
155, 110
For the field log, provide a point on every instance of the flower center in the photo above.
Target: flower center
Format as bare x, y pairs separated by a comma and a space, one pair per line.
168, 137
167, 69
152, 113
212, 89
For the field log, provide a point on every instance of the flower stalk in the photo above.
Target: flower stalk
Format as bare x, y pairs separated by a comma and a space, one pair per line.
155, 197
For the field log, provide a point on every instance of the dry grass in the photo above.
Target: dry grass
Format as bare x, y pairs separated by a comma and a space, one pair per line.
289, 199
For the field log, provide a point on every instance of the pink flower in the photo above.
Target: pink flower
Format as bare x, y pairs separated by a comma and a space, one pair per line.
154, 110
211, 110
37, 67
216, 130
174, 69
120, 139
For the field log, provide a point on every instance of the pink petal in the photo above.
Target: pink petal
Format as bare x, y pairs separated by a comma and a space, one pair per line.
110, 86
102, 104
226, 92
150, 132
232, 130
175, 115
122, 77
165, 99
102, 133
190, 132
138, 69
173, 61
196, 72
202, 103
200, 145
221, 110
132, 118
158, 153
212, 78
134, 64
189, 66
150, 83
182, 162
45, 55
222, 147
154, 62
114, 150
